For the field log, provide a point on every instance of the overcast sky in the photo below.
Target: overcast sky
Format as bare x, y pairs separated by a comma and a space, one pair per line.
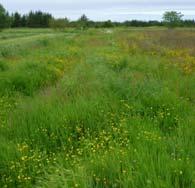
118, 10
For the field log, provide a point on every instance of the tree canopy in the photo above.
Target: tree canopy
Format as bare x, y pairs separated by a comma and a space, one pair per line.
172, 18
60, 23
4, 18
83, 22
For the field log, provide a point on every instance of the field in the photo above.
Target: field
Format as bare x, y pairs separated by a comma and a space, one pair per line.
101, 108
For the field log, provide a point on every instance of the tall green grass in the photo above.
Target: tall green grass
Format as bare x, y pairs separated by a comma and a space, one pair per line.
113, 119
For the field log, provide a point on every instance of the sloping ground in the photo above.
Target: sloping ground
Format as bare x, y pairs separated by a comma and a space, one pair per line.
99, 110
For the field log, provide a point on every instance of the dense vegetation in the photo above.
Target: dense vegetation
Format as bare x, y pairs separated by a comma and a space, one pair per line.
33, 19
39, 19
172, 18
99, 108
4, 18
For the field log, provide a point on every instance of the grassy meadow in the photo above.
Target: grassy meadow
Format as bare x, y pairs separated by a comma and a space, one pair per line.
98, 108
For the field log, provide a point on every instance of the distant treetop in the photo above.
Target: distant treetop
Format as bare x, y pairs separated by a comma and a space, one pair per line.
172, 18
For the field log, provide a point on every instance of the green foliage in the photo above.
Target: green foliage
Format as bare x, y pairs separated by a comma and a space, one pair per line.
108, 24
38, 19
4, 18
17, 20
60, 24
172, 18
3, 66
83, 22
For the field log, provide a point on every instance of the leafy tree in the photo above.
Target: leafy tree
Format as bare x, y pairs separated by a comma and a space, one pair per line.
108, 24
83, 22
59, 23
172, 18
4, 18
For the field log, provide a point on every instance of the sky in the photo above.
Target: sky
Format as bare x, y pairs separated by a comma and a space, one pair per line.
115, 10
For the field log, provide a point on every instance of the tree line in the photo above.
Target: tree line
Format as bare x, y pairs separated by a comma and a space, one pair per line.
39, 19
35, 19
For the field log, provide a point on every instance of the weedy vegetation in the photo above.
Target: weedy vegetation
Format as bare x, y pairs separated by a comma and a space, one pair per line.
97, 109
